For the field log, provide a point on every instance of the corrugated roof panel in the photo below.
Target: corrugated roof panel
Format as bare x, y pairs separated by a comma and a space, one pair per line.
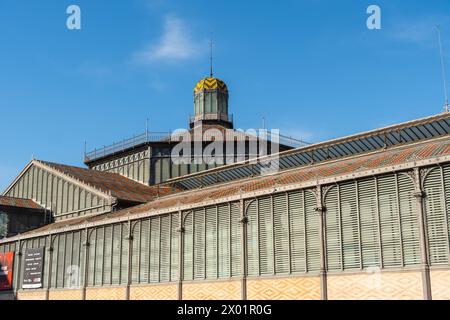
19, 203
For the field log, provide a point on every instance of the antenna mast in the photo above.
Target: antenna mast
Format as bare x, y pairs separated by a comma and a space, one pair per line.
441, 51
211, 58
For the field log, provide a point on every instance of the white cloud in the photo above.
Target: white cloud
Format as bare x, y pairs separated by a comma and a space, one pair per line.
175, 44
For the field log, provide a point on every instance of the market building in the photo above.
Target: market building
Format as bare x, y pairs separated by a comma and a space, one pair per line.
361, 217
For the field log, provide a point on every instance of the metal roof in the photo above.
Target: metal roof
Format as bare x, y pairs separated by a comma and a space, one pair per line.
339, 170
404, 133
19, 203
110, 183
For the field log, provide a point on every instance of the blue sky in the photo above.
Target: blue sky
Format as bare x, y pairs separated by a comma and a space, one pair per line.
311, 68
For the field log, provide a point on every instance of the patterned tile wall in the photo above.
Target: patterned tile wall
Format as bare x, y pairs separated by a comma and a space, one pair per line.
156, 292
228, 290
294, 288
440, 285
376, 286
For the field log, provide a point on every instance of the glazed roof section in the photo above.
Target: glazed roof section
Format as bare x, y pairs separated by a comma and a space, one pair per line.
400, 134
19, 203
298, 176
113, 184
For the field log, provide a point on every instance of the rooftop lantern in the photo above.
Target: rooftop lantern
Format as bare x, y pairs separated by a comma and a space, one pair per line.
211, 103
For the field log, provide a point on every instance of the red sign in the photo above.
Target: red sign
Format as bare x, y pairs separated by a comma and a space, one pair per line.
6, 271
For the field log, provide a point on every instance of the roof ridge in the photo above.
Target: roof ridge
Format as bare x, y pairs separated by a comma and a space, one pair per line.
50, 164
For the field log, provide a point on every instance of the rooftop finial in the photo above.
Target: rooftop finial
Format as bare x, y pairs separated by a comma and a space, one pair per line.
211, 57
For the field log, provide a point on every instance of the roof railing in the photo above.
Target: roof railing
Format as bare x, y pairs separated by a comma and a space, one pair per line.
148, 136
125, 144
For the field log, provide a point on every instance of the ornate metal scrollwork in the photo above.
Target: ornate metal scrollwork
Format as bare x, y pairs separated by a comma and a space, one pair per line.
424, 172
325, 191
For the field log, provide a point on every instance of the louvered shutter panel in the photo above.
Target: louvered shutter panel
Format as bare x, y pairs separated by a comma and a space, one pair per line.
199, 244
281, 233
184, 169
68, 259
175, 170
19, 274
236, 264
145, 250
297, 226
146, 170
312, 233
211, 242
333, 230
158, 165
107, 258
82, 200
47, 263
165, 249
188, 247
82, 255
35, 183
99, 256
154, 249
446, 180
21, 195
370, 237
409, 221
436, 218
175, 242
61, 256
136, 251
76, 249
26, 185
76, 199
20, 271
16, 266
265, 236
38, 191
223, 241
116, 255
252, 240
29, 183
165, 169
141, 171
124, 256
70, 198
16, 283
54, 194
350, 226
76, 258
390, 231
45, 188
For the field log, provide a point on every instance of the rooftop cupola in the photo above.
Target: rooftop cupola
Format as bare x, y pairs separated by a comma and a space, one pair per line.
211, 103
